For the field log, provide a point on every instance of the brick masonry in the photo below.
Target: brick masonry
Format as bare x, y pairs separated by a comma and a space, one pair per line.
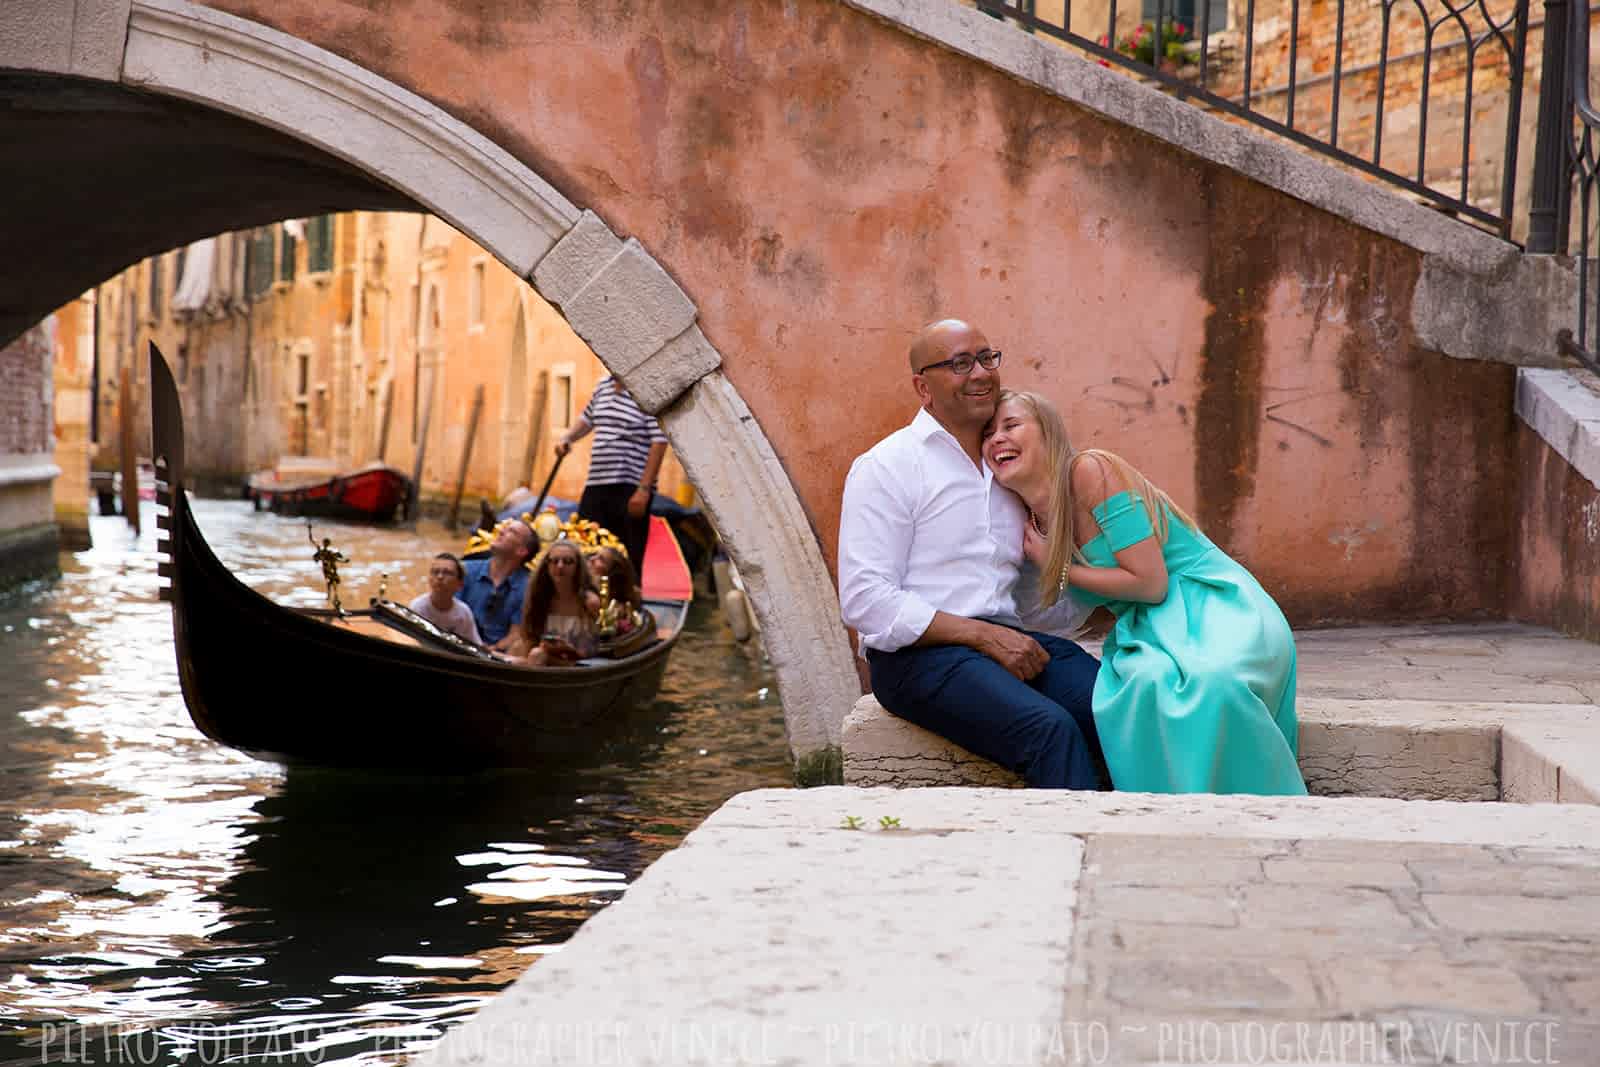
28, 534
26, 393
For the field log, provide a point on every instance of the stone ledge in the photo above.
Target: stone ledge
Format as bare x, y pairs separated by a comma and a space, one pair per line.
1563, 408
28, 469
1546, 762
1413, 750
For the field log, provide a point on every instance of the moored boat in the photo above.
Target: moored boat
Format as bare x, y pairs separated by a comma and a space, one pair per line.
372, 493
370, 688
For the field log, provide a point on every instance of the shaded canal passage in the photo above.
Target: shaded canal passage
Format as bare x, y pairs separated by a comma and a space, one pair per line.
207, 906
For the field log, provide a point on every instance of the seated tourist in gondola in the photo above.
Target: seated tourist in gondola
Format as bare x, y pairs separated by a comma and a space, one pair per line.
622, 580
439, 604
557, 625
495, 587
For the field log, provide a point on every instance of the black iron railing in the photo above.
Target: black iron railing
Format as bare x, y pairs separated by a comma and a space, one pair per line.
1341, 100
1567, 164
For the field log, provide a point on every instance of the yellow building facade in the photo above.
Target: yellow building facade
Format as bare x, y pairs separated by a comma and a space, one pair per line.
346, 339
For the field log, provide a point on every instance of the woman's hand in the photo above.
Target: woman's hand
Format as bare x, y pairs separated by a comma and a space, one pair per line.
1034, 546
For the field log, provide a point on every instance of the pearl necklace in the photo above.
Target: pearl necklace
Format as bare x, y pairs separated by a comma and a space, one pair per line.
1038, 528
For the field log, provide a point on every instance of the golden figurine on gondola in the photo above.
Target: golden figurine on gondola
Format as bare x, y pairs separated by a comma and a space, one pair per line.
330, 558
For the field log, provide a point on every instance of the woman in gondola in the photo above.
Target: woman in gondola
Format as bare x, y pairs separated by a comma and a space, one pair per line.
1196, 686
557, 625
614, 567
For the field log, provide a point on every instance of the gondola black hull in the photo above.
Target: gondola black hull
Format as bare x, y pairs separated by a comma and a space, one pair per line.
283, 685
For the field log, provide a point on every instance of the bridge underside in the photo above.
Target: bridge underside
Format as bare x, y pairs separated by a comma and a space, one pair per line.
99, 176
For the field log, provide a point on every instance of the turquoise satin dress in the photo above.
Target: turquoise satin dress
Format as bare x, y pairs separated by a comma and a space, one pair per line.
1195, 694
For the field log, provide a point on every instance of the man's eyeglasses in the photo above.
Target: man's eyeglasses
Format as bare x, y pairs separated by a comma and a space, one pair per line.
961, 363
497, 596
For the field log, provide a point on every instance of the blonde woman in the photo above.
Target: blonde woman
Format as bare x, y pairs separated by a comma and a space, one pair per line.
1196, 686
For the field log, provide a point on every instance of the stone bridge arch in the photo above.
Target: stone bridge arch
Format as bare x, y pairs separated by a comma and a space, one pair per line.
616, 296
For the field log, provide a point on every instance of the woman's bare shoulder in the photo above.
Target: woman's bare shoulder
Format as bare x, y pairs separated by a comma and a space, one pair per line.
1091, 477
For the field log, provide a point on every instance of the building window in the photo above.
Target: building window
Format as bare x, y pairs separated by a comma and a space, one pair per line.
258, 264
305, 374
177, 271
183, 363
561, 395
475, 295
286, 243
155, 285
319, 244
1189, 13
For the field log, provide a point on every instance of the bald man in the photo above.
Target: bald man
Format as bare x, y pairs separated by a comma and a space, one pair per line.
930, 565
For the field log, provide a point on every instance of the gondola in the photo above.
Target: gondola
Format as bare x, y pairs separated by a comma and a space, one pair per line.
372, 493
371, 688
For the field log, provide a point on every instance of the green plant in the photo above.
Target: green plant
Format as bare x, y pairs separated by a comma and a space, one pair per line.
851, 822
888, 822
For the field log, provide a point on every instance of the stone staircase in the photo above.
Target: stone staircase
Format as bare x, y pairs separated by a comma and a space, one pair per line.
1497, 711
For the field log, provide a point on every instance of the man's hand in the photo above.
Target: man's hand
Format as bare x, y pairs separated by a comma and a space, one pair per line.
639, 503
563, 446
1013, 650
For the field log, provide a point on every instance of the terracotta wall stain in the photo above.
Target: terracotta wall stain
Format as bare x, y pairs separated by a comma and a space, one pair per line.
821, 184
1240, 263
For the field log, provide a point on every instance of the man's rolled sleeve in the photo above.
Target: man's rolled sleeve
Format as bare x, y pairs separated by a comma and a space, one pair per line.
875, 530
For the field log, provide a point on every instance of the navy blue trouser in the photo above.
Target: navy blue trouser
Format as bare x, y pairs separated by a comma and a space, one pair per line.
1043, 729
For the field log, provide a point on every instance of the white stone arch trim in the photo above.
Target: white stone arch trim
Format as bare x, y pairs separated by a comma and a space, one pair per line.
247, 69
634, 317
83, 38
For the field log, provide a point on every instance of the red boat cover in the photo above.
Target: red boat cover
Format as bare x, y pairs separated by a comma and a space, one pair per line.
666, 576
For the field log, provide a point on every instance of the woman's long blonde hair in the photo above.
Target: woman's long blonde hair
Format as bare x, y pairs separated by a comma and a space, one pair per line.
1060, 458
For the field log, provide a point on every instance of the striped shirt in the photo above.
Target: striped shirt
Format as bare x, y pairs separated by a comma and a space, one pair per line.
623, 434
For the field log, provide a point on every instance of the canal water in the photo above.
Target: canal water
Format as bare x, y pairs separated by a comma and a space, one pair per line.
167, 900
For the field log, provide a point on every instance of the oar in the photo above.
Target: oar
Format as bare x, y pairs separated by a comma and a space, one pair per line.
537, 504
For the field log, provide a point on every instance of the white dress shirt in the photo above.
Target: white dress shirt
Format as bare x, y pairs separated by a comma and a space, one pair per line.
924, 529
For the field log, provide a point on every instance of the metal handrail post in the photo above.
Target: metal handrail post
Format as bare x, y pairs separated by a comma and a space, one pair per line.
1551, 181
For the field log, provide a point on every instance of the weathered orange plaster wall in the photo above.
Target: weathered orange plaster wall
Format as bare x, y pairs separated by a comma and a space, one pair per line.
821, 184
1558, 580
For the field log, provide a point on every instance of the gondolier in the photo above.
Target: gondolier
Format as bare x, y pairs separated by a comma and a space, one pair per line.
628, 449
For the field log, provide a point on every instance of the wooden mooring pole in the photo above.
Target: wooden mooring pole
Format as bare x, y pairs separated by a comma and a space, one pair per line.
466, 456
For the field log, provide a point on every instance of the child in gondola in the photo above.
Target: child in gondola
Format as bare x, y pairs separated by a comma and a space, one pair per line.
557, 625
439, 604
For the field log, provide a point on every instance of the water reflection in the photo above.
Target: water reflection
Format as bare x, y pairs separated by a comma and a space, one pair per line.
200, 903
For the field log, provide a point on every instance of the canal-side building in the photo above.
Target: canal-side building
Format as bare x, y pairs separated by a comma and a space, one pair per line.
28, 534
1441, 78
72, 388
350, 338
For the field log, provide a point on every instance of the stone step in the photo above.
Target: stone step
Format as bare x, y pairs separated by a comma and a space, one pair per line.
1407, 749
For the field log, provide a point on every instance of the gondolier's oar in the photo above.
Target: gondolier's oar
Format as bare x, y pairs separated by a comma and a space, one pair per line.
537, 504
